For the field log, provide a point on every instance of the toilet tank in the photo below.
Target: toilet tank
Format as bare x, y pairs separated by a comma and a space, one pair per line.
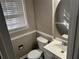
42, 42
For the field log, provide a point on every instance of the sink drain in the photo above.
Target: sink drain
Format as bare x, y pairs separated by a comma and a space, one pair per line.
62, 51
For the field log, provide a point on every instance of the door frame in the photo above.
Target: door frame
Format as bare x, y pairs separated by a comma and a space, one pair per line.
6, 48
71, 53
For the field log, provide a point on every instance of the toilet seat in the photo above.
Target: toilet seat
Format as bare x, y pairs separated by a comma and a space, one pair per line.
34, 54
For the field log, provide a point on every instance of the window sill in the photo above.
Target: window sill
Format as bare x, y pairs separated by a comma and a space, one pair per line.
18, 29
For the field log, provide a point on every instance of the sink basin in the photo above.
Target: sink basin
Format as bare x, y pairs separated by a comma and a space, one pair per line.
61, 47
56, 47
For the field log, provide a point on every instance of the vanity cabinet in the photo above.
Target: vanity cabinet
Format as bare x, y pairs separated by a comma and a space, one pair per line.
48, 55
56, 57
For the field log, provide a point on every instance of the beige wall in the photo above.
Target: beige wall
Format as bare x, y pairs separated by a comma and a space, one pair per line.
28, 43
43, 13
29, 40
44, 16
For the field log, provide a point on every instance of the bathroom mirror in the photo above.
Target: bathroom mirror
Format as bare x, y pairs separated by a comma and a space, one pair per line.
62, 18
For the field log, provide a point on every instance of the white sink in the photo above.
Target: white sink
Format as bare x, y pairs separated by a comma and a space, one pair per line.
61, 47
57, 48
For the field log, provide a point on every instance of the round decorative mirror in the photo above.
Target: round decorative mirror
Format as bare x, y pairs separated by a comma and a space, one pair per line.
62, 19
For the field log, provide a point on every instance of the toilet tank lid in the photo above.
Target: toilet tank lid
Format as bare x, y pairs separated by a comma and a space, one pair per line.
42, 40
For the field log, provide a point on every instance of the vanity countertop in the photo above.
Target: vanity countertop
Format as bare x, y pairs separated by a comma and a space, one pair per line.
57, 48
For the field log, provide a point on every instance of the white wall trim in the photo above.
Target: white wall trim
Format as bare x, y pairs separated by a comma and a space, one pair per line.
22, 35
31, 32
45, 34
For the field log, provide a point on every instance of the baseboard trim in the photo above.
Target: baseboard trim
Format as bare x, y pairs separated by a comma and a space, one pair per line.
22, 35
31, 32
45, 34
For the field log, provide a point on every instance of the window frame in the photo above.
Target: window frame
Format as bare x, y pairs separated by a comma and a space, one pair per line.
26, 26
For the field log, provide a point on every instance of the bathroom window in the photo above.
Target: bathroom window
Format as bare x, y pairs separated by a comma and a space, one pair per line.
14, 14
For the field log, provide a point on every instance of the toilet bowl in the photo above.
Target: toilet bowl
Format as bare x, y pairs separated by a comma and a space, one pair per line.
37, 53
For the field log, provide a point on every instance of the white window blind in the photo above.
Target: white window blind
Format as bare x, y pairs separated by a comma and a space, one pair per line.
14, 14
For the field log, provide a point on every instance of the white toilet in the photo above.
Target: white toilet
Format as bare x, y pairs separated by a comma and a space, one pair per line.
37, 53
